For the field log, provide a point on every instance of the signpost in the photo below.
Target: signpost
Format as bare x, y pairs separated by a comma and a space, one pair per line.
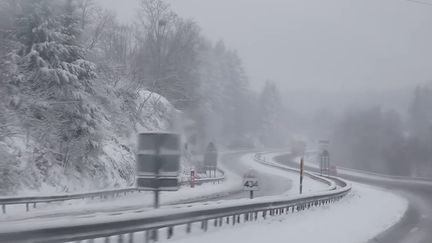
301, 174
250, 183
193, 177
157, 162
210, 159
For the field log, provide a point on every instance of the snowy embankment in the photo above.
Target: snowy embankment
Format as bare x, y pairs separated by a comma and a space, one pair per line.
137, 200
361, 215
232, 184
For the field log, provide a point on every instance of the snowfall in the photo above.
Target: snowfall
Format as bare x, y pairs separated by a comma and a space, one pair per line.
365, 212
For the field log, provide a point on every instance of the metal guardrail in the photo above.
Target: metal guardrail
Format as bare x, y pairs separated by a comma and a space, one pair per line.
128, 230
33, 201
378, 174
332, 184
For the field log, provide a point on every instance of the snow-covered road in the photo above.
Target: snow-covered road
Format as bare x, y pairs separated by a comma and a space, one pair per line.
361, 215
358, 217
272, 182
416, 224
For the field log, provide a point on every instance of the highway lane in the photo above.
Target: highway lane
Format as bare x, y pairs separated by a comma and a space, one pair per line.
233, 164
416, 225
269, 183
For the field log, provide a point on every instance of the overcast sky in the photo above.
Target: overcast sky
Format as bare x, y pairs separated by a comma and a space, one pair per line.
318, 44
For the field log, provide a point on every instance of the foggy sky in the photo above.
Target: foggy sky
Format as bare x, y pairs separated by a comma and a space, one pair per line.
314, 44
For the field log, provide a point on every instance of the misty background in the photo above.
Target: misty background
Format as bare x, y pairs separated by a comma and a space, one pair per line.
80, 78
327, 58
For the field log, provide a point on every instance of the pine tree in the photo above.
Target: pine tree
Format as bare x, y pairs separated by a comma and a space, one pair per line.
55, 81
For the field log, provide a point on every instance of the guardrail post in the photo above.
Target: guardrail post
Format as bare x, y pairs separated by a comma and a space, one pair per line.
188, 228
215, 224
147, 236
34, 205
170, 232
107, 239
234, 220
227, 219
204, 225
238, 219
131, 237
4, 208
220, 222
27, 207
154, 235
264, 214
120, 239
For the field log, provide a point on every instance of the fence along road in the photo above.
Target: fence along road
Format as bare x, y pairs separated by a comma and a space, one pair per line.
129, 228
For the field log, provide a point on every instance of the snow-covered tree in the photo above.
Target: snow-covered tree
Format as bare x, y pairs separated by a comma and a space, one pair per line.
55, 81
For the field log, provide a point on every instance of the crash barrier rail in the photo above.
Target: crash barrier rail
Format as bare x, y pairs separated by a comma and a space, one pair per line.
377, 174
147, 228
332, 183
394, 177
34, 200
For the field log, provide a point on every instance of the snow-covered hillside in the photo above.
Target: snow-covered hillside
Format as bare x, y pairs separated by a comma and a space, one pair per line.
121, 115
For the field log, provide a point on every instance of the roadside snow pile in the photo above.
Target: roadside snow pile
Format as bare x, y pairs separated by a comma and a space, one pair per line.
364, 213
135, 201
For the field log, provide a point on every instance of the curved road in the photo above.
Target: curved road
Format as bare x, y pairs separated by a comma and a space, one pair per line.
269, 184
416, 225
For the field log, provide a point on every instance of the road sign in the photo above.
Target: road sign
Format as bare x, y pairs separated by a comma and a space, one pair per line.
211, 157
158, 162
250, 181
166, 164
165, 184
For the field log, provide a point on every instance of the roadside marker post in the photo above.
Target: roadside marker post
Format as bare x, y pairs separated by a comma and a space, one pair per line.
301, 174
192, 179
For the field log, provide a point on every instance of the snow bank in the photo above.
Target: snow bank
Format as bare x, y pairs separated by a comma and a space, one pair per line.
231, 184
359, 217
